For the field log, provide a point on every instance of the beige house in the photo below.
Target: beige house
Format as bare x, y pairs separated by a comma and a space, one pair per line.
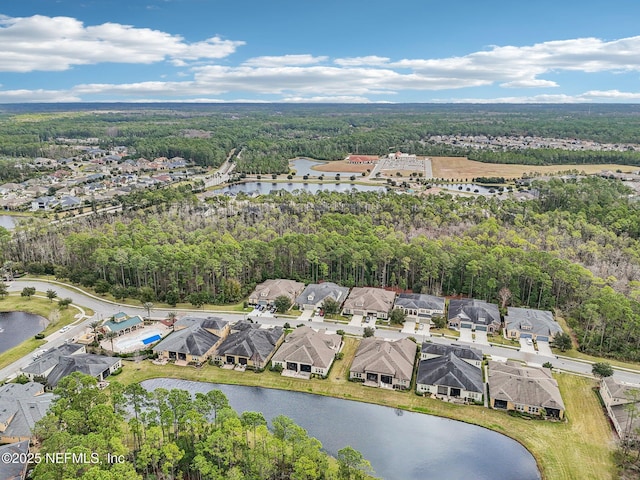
250, 345
539, 325
524, 389
306, 351
369, 301
194, 340
380, 363
622, 402
269, 290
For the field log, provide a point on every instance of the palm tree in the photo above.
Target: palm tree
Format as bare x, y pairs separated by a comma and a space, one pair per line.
51, 294
148, 306
111, 335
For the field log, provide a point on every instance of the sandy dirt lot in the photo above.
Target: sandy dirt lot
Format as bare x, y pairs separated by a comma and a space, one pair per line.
342, 166
462, 168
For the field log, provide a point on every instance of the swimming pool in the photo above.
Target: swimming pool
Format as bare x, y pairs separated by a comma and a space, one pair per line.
137, 339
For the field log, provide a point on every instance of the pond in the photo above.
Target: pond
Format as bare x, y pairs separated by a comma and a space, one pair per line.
16, 327
303, 166
399, 445
7, 221
264, 188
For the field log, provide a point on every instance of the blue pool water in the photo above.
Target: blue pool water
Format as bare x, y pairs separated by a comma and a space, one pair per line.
149, 340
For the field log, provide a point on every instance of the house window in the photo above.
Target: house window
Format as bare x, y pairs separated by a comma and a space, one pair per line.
520, 408
534, 410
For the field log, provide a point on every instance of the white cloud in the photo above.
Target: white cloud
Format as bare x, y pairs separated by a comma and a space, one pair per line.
44, 96
57, 43
284, 60
371, 60
593, 96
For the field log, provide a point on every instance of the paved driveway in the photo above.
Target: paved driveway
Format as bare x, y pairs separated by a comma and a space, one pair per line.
409, 327
466, 335
481, 338
305, 316
356, 321
544, 349
424, 329
524, 347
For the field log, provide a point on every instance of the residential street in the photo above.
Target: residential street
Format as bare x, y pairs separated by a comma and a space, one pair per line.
104, 309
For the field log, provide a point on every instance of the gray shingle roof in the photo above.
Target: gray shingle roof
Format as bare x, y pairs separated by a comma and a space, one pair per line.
210, 323
476, 311
27, 403
51, 358
316, 293
370, 299
14, 470
464, 352
251, 341
388, 358
194, 340
450, 371
420, 300
528, 320
86, 363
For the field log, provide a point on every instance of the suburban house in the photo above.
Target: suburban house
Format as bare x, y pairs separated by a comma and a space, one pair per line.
15, 470
194, 340
474, 314
420, 306
215, 325
267, 292
381, 363
524, 389
315, 293
249, 344
42, 366
620, 400
448, 376
122, 323
44, 203
472, 356
306, 351
21, 406
369, 301
538, 325
98, 366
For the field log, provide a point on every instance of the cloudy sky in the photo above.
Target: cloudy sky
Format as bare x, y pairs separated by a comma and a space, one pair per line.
320, 51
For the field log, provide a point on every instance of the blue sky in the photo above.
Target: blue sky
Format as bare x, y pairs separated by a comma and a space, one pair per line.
342, 51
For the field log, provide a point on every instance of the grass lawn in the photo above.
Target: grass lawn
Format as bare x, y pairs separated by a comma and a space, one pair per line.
38, 306
578, 449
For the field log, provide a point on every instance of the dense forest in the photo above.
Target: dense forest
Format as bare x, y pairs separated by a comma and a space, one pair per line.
135, 434
573, 249
268, 135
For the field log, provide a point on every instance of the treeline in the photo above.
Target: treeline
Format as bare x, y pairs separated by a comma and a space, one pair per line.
270, 135
576, 245
169, 434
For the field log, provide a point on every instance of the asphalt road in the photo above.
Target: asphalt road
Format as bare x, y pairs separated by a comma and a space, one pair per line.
104, 309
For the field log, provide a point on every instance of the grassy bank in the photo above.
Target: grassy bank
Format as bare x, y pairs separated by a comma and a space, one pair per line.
578, 449
38, 306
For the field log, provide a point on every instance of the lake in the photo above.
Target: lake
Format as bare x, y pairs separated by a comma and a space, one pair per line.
266, 187
399, 445
18, 327
303, 166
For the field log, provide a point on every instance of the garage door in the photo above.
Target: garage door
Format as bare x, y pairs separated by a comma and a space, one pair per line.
465, 325
481, 328
526, 335
542, 339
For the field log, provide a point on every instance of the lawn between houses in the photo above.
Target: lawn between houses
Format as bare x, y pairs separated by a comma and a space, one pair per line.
578, 449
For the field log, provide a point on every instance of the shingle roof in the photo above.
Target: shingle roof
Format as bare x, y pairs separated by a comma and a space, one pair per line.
210, 323
476, 311
450, 371
251, 341
369, 298
540, 322
305, 345
194, 340
420, 300
14, 470
51, 358
27, 403
269, 290
389, 358
86, 363
464, 352
317, 292
524, 385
